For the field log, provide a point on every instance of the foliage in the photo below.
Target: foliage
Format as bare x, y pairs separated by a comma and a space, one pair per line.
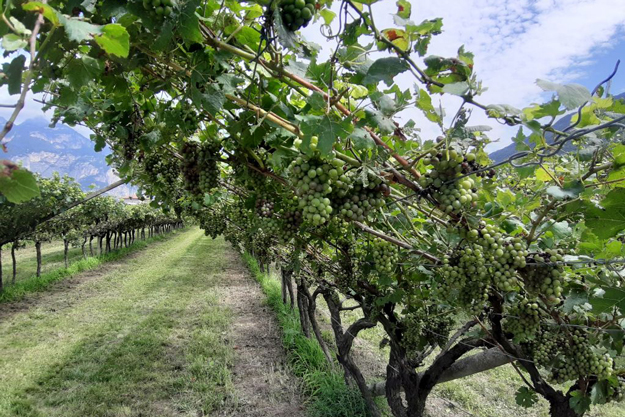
220, 111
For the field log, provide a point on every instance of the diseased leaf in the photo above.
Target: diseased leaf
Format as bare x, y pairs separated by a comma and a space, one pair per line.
48, 12
398, 37
404, 8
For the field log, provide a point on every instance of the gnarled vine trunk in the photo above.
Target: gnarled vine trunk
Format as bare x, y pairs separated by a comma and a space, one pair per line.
13, 248
38, 250
65, 252
1, 282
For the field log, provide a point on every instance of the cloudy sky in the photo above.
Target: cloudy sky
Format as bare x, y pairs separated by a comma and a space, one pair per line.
514, 41
517, 41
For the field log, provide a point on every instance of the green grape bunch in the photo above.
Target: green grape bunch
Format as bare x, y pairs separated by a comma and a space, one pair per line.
447, 165
163, 172
385, 256
523, 319
544, 275
425, 327
159, 8
489, 259
363, 198
297, 13
569, 355
314, 180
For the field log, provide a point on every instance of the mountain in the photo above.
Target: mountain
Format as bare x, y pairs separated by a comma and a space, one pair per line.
61, 149
508, 151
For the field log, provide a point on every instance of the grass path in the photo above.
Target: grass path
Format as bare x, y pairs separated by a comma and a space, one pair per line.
146, 337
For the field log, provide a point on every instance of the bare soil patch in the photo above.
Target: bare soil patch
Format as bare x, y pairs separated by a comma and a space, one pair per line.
262, 380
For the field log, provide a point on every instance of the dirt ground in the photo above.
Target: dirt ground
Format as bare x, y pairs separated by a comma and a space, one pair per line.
262, 381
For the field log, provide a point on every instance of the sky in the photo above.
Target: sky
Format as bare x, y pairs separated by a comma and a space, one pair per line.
515, 42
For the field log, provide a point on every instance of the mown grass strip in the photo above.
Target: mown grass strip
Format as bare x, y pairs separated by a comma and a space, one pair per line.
20, 289
328, 394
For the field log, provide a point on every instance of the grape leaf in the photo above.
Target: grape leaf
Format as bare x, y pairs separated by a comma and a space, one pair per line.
361, 139
327, 130
579, 402
607, 299
607, 221
114, 39
571, 95
572, 190
78, 30
14, 73
424, 102
13, 42
525, 397
457, 89
385, 69
19, 186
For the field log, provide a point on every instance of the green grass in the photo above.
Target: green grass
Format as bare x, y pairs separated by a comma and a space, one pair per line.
25, 286
143, 339
328, 394
26, 259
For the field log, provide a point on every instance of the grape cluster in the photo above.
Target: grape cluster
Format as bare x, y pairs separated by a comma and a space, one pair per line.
441, 181
314, 179
569, 355
199, 166
213, 221
162, 171
488, 258
385, 256
159, 8
523, 319
297, 13
542, 275
271, 227
424, 328
264, 207
292, 216
363, 197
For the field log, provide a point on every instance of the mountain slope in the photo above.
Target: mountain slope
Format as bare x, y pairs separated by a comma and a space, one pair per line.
561, 124
46, 150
